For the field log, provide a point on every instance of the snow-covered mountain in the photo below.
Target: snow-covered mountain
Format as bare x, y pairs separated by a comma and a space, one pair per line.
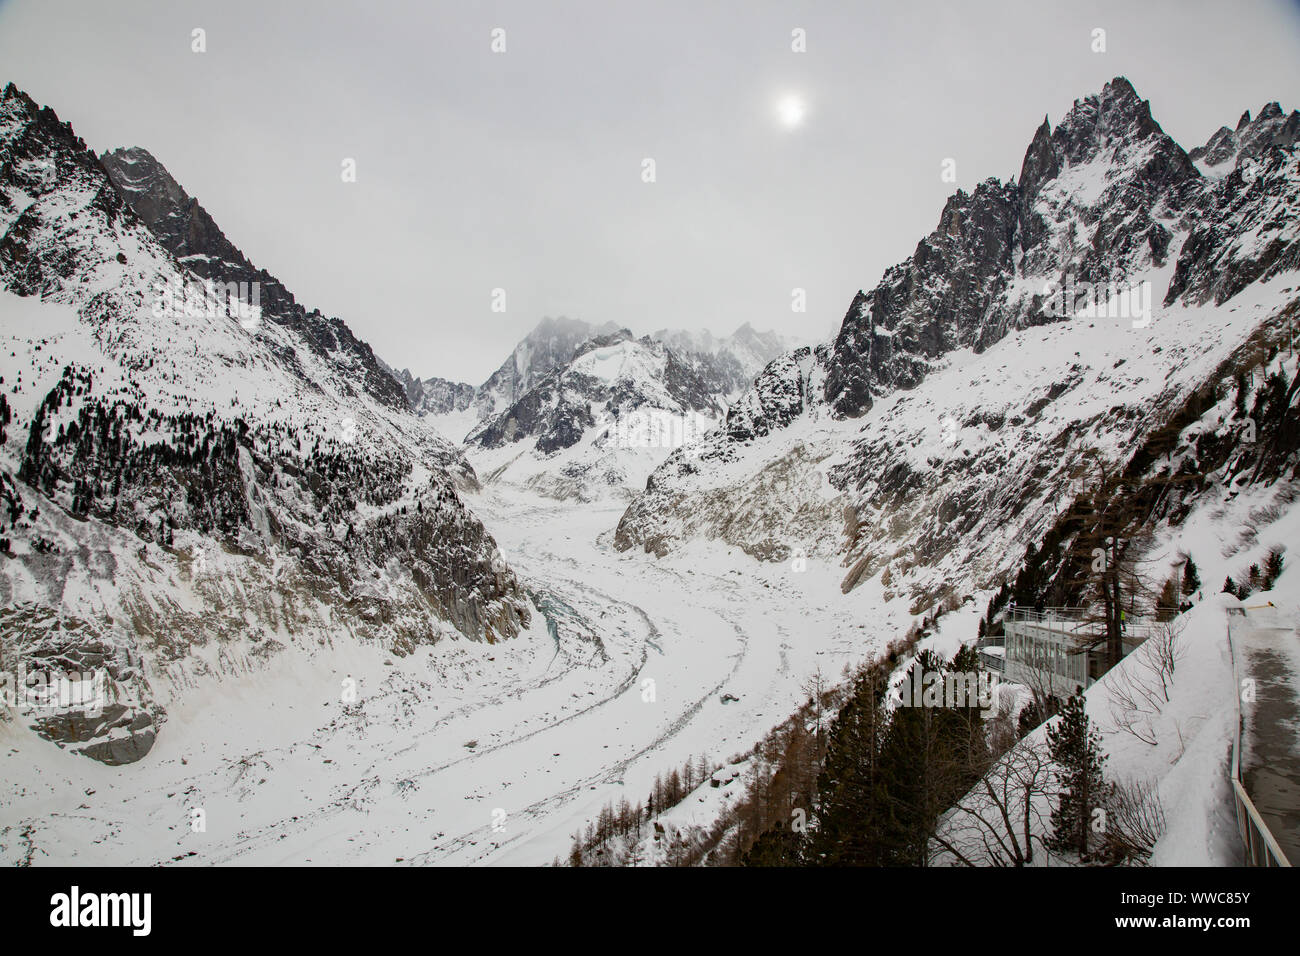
572, 416
435, 396
597, 425
195, 486
547, 347
726, 366
951, 418
188, 232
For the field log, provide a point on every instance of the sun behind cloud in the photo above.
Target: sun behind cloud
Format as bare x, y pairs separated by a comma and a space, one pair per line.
790, 110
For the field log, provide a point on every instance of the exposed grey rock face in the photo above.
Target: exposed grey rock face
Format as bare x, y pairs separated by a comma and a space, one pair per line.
1250, 139
79, 689
564, 404
133, 445
936, 301
1103, 197
779, 396
435, 396
1247, 229
187, 231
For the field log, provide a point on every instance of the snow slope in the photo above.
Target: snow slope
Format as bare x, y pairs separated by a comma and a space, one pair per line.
595, 427
191, 485
1187, 765
948, 423
559, 725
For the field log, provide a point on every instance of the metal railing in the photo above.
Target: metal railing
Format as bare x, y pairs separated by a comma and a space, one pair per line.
991, 661
1077, 621
1261, 847
1036, 615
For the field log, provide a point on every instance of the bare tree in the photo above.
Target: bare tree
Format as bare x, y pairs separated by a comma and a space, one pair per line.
1135, 821
815, 689
1002, 726
1001, 819
1140, 691
1165, 651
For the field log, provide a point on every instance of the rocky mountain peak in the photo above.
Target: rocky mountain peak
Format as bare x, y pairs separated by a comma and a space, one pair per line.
1117, 114
188, 232
1251, 138
1107, 170
1041, 162
1105, 197
146, 447
1115, 119
16, 100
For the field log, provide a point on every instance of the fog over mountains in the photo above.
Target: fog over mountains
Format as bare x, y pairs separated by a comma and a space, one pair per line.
361, 615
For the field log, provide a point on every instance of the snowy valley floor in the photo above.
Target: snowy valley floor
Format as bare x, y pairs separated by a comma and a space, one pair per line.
463, 753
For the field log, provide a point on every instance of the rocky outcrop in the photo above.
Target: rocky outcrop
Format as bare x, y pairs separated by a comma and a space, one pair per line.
76, 687
1250, 139
435, 396
1247, 231
957, 469
607, 376
187, 231
140, 446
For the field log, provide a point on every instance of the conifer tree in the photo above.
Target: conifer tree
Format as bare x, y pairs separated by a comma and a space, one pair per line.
848, 804
1031, 715
973, 736
909, 750
780, 846
1076, 750
1167, 606
1191, 577
931, 754
1272, 568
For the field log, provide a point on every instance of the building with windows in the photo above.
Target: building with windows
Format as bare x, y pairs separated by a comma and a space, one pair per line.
1056, 649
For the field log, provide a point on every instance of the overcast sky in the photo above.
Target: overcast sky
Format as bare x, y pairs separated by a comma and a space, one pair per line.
522, 170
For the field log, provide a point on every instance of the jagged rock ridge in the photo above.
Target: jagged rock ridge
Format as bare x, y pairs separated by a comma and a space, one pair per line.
181, 483
725, 365
956, 471
188, 232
